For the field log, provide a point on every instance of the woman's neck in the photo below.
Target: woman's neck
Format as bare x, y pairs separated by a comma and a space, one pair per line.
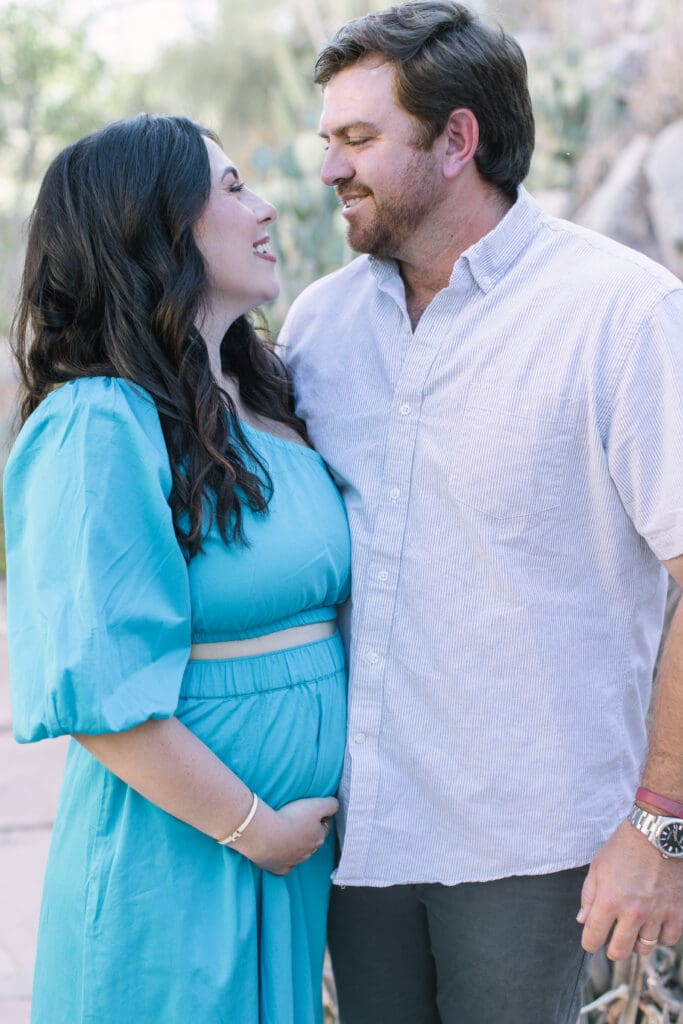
213, 331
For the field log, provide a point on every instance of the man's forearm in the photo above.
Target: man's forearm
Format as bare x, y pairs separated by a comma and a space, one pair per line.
632, 897
663, 772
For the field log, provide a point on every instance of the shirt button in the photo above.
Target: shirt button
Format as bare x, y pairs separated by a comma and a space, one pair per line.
394, 493
404, 409
359, 737
383, 575
373, 657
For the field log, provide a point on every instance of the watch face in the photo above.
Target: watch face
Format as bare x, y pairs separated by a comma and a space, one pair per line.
671, 839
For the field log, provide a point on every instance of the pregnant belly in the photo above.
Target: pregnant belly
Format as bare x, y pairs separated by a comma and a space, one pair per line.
278, 721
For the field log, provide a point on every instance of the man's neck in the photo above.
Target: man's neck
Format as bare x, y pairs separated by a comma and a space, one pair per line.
416, 303
429, 269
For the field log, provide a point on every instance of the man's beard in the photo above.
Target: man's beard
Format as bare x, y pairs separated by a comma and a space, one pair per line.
397, 217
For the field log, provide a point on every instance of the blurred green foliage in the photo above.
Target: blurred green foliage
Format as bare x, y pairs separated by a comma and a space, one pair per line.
249, 77
53, 89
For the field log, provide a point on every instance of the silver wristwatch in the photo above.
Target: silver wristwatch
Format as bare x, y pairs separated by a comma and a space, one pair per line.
665, 834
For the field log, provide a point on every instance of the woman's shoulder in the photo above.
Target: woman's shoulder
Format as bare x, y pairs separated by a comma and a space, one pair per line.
112, 396
98, 403
90, 415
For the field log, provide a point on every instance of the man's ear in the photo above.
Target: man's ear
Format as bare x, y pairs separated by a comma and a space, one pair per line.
460, 139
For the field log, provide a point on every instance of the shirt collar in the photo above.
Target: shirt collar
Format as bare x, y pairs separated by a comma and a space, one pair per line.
489, 258
493, 255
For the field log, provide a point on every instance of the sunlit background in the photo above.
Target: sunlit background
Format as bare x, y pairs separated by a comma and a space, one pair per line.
607, 80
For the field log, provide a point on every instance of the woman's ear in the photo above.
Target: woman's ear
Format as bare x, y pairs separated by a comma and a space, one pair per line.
460, 139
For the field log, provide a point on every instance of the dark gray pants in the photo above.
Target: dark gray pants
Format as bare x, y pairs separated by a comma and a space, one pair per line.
502, 952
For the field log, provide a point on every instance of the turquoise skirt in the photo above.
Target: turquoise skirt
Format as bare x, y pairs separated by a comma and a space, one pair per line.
144, 919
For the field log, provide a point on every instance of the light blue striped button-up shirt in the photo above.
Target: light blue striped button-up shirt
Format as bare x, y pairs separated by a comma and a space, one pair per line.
513, 474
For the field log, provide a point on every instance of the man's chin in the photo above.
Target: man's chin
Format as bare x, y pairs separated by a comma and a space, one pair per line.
356, 241
365, 245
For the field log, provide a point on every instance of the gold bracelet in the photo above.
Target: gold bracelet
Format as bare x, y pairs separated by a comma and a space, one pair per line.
234, 836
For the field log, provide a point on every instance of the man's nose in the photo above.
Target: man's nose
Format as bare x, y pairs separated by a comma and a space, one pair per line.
336, 168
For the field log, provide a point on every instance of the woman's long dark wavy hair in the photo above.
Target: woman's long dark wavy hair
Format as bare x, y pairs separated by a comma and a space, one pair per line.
113, 284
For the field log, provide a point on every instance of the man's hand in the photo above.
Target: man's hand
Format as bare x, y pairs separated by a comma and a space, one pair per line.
634, 893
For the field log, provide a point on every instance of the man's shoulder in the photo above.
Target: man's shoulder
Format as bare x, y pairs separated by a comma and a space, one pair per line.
334, 287
602, 260
314, 316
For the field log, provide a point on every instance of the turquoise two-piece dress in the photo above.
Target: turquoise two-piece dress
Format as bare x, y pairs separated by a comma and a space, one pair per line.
144, 918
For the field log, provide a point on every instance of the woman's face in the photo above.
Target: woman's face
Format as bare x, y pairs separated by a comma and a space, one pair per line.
232, 236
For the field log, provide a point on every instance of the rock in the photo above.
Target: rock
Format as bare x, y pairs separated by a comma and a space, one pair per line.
663, 171
618, 208
555, 201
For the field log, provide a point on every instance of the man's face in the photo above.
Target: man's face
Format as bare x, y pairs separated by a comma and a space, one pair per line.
388, 185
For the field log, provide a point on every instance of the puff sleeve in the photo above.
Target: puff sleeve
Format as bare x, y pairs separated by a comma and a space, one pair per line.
98, 608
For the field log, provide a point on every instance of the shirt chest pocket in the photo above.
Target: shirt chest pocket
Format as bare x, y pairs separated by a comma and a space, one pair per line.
510, 454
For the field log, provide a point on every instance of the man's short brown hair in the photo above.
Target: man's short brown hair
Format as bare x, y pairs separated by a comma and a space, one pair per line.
446, 58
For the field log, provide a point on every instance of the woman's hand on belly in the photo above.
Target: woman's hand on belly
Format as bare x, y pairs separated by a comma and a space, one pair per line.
170, 766
279, 840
